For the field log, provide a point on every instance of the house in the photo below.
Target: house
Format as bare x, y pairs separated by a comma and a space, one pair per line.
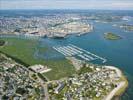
60, 87
40, 69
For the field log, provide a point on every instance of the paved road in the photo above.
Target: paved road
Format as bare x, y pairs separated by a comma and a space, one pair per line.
46, 92
120, 85
112, 93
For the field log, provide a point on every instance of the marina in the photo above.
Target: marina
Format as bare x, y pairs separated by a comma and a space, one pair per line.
74, 51
118, 53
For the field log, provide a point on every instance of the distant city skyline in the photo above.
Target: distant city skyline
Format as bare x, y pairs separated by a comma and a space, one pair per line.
67, 4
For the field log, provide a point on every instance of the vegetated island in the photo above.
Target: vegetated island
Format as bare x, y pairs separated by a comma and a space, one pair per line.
111, 36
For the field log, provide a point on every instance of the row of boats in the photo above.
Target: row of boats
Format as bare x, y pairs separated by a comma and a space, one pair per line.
72, 50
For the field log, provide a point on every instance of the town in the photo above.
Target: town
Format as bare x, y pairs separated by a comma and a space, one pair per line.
93, 82
17, 82
54, 26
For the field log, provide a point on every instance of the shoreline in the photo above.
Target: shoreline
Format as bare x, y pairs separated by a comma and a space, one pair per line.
121, 87
122, 84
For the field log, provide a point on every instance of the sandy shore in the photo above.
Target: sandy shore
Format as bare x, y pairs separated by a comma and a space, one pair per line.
118, 71
119, 86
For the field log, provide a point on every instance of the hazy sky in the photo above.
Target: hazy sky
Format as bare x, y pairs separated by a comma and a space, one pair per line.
67, 4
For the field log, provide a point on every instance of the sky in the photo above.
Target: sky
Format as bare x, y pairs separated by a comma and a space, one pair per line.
67, 4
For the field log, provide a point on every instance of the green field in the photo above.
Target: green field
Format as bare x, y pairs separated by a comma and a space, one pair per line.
23, 50
111, 36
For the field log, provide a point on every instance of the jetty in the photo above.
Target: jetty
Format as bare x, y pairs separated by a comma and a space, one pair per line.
71, 50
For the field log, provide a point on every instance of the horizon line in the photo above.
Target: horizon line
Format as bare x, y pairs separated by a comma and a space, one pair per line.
68, 9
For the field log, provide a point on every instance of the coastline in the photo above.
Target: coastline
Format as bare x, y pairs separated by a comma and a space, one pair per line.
94, 42
121, 87
122, 84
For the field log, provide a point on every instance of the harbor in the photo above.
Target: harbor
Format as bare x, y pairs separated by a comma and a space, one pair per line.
74, 51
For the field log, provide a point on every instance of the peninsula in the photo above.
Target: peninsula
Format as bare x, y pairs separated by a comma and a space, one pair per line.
91, 81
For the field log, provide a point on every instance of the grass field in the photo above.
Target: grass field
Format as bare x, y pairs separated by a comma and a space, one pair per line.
23, 49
